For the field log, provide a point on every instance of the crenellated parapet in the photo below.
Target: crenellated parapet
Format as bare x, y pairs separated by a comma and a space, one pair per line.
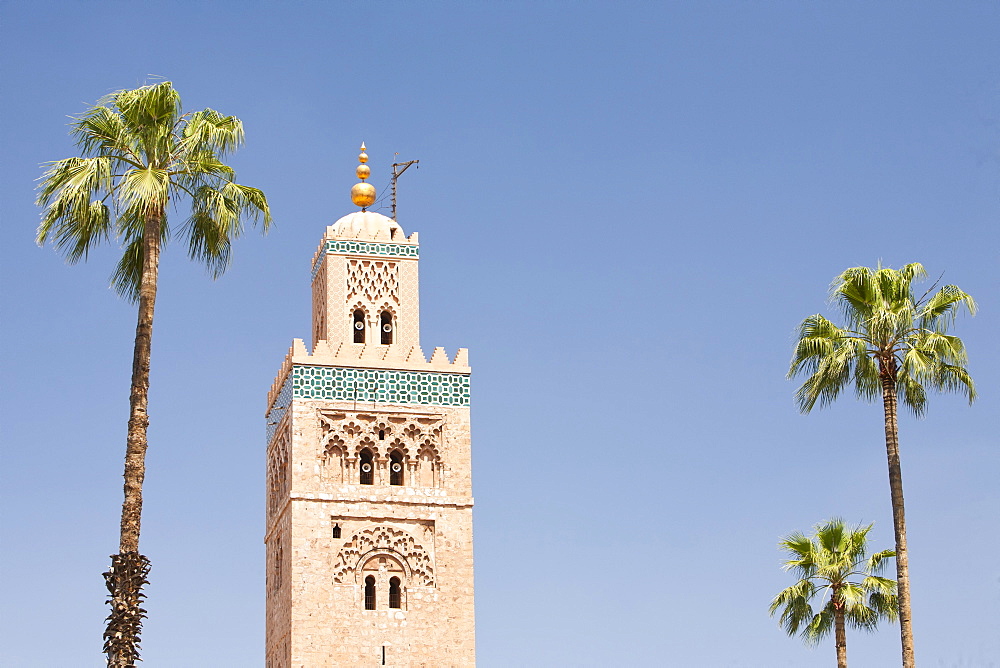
365, 372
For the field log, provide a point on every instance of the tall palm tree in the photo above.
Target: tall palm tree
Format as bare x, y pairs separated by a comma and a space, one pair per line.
894, 344
140, 153
832, 564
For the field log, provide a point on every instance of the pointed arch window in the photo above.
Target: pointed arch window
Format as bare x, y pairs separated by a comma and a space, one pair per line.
367, 468
395, 593
385, 327
396, 468
358, 323
370, 592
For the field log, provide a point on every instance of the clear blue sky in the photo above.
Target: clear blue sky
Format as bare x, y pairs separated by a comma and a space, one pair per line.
624, 210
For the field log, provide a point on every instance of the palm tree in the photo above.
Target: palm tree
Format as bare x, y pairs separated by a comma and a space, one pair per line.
832, 564
140, 152
893, 344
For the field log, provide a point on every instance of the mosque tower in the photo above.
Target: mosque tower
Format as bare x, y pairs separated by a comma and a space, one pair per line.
369, 480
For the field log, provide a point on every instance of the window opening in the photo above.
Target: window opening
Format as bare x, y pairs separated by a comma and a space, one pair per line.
396, 468
385, 322
395, 593
359, 326
370, 592
367, 467
381, 434
336, 531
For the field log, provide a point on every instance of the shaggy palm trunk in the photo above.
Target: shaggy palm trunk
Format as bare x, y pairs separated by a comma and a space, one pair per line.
840, 633
129, 568
888, 374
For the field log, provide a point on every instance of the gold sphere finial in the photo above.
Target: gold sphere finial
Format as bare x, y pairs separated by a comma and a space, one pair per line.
363, 194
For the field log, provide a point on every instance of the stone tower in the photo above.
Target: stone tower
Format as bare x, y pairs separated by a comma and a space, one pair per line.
369, 490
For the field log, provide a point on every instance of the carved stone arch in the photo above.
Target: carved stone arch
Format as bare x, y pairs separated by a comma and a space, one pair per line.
427, 464
333, 442
278, 470
392, 542
367, 442
382, 429
412, 431
359, 306
359, 314
367, 557
387, 306
334, 459
352, 430
398, 444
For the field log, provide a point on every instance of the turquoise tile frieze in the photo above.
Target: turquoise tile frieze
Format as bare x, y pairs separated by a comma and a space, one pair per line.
425, 388
422, 388
280, 407
365, 248
372, 248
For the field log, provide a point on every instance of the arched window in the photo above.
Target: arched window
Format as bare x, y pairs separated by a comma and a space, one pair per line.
395, 593
396, 468
367, 472
370, 592
385, 326
359, 326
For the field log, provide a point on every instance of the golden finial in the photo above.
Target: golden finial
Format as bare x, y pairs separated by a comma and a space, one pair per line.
363, 194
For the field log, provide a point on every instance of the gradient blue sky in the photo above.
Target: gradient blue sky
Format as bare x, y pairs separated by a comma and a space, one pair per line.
624, 211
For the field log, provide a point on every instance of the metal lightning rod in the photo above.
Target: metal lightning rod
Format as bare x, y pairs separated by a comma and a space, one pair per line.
395, 175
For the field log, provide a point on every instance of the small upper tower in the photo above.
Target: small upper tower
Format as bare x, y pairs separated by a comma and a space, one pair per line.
364, 277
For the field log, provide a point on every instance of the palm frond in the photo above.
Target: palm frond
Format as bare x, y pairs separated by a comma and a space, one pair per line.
75, 217
876, 562
145, 188
819, 626
888, 332
128, 273
102, 132
142, 153
208, 129
827, 561
940, 311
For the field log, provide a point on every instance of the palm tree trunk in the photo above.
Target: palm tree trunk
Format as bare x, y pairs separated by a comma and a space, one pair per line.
129, 568
840, 632
898, 516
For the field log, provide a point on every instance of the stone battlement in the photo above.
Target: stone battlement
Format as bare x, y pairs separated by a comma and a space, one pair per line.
367, 356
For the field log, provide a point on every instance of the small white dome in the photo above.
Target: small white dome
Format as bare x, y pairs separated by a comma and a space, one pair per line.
367, 225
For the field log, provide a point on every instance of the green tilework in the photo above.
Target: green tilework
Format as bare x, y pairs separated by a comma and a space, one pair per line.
424, 388
365, 248
372, 248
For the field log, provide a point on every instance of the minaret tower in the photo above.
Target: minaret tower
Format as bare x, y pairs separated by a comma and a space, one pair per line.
369, 481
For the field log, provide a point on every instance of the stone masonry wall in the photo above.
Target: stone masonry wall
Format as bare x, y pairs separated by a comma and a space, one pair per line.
427, 520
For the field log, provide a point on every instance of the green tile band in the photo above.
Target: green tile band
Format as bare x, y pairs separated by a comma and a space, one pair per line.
372, 248
366, 248
424, 388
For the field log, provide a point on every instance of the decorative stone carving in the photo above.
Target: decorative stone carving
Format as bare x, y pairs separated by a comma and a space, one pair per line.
277, 472
373, 280
418, 438
381, 539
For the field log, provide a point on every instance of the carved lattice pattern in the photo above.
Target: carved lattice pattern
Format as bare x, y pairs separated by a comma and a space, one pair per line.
373, 280
277, 473
384, 540
417, 438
